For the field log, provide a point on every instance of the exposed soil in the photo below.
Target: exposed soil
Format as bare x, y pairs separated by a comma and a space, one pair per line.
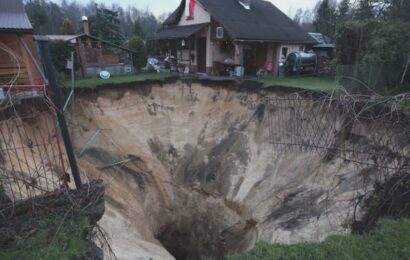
193, 171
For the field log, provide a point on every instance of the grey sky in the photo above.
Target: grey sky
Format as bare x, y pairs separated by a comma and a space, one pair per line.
161, 6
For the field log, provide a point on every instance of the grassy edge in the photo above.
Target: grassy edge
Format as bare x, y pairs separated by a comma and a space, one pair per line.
390, 240
91, 83
55, 236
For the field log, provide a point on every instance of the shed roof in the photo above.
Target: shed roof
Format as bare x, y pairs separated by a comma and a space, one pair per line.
13, 16
56, 37
322, 41
263, 22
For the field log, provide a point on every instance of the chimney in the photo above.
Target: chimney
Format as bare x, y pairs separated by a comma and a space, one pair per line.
86, 26
246, 4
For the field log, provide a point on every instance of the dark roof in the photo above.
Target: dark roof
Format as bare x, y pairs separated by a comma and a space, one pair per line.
321, 40
176, 15
13, 16
179, 32
263, 22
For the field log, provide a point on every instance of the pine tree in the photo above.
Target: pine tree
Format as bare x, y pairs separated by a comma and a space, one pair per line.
106, 25
365, 9
344, 8
137, 29
67, 28
325, 18
37, 14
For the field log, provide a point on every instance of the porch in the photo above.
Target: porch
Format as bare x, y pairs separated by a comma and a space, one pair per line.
193, 47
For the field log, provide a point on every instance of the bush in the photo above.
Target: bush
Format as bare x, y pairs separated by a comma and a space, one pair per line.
60, 53
137, 44
374, 52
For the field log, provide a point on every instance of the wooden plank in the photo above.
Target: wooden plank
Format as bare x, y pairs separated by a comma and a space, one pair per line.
10, 66
27, 59
12, 71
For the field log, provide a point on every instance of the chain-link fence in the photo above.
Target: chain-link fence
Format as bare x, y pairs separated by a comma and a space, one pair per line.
330, 125
33, 162
369, 78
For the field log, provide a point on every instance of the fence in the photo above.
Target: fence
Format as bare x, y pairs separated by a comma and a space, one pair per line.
33, 161
327, 125
379, 78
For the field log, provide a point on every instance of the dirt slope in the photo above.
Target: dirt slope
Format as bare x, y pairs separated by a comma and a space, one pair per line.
193, 171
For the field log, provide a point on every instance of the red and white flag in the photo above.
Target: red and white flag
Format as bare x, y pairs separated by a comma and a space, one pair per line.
189, 9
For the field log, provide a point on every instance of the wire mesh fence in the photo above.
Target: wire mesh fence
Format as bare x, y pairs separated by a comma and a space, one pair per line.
367, 131
368, 78
33, 162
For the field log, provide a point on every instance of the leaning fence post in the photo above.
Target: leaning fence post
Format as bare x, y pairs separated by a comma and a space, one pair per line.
58, 106
405, 71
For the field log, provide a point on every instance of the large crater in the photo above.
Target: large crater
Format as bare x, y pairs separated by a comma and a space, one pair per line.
196, 171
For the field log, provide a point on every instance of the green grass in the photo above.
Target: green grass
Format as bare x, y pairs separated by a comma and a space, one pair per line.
391, 240
96, 82
303, 82
51, 237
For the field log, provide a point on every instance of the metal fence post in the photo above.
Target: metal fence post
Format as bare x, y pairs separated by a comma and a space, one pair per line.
58, 106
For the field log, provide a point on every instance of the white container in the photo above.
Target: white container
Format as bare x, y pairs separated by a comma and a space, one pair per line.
239, 71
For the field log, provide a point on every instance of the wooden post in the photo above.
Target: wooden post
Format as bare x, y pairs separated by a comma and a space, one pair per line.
73, 79
189, 55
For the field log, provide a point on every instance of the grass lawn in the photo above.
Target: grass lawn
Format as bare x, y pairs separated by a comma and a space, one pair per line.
50, 237
303, 82
391, 240
96, 82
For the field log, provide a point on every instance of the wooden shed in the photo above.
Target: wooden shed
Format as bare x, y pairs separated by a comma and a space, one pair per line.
19, 64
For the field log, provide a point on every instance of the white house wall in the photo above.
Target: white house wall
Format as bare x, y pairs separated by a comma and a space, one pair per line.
184, 55
200, 15
291, 48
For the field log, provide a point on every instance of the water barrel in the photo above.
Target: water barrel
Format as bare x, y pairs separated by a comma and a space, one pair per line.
301, 62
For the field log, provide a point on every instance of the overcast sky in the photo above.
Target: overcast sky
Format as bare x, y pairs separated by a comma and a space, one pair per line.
161, 6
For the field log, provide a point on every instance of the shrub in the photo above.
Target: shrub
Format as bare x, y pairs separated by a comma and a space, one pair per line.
137, 44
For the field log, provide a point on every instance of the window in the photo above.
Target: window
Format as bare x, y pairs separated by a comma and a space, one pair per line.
219, 32
285, 52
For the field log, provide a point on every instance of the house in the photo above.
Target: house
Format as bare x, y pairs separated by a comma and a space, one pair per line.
209, 34
96, 55
19, 63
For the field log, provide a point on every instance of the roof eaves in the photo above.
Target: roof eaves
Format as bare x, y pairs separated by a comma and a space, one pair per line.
17, 30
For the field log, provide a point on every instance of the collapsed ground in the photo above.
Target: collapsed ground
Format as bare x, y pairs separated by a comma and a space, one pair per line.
207, 170
193, 171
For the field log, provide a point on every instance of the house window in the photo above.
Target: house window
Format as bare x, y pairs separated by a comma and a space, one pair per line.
285, 52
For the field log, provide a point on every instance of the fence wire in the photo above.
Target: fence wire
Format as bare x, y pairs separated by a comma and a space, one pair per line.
33, 162
369, 131
369, 78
